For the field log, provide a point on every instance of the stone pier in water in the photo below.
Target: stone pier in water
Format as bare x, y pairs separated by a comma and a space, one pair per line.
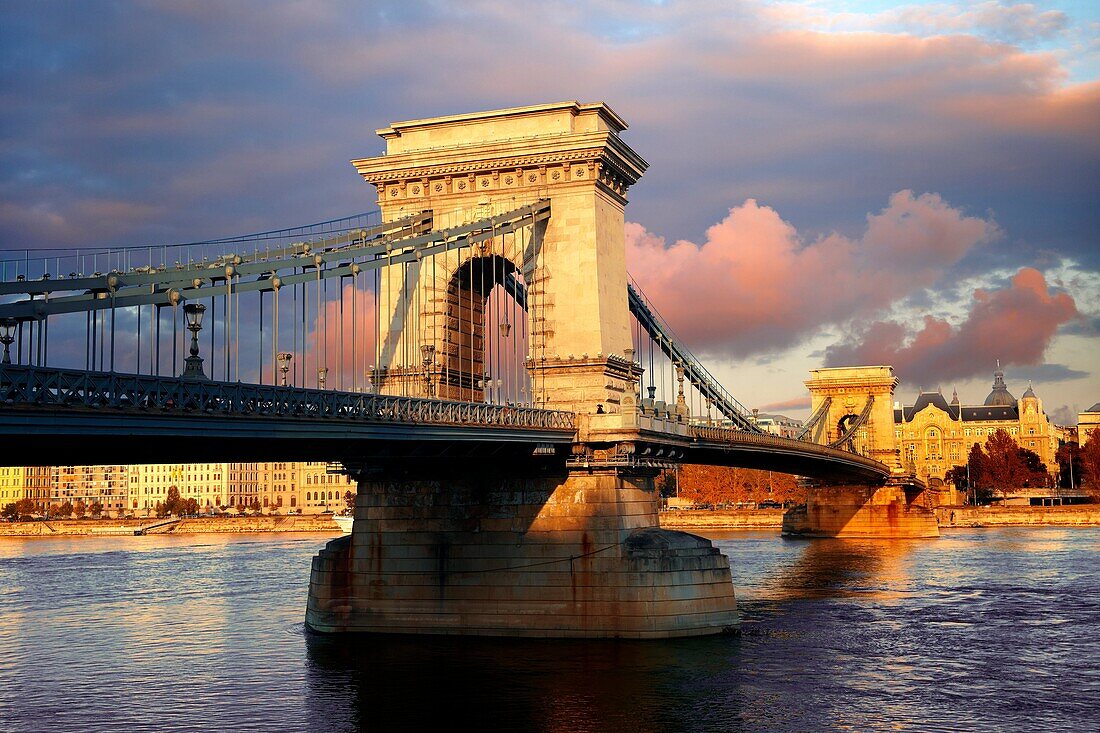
576, 555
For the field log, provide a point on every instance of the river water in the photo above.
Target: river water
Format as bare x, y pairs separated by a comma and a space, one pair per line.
982, 629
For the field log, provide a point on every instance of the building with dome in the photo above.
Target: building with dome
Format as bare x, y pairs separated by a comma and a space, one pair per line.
933, 434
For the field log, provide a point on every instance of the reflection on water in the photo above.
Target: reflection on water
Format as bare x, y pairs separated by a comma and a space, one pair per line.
980, 630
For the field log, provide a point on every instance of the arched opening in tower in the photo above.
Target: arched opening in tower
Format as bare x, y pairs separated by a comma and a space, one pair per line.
484, 335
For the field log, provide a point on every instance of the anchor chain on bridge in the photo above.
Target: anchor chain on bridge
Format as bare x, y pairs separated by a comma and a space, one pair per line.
693, 370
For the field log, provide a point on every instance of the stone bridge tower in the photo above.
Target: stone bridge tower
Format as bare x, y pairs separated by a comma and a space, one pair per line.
849, 389
490, 541
464, 167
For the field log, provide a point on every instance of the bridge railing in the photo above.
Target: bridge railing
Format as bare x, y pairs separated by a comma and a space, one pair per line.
37, 387
729, 436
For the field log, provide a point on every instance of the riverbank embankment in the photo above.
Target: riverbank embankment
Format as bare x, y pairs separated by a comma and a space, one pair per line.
1077, 515
224, 525
704, 519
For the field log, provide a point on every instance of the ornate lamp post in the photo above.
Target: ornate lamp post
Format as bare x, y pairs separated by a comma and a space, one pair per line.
193, 363
284, 358
322, 377
428, 351
7, 337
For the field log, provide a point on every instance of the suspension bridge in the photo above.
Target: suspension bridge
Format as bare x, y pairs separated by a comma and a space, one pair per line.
473, 353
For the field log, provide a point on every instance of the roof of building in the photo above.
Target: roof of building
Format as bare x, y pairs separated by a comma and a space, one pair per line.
1000, 396
924, 399
1094, 408
1029, 393
990, 412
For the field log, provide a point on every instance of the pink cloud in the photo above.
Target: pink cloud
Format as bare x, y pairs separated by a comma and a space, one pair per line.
795, 403
1014, 324
754, 284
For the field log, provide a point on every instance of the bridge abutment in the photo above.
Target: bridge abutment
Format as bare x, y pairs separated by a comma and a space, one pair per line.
860, 511
576, 555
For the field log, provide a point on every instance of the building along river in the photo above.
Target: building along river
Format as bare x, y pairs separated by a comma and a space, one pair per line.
982, 629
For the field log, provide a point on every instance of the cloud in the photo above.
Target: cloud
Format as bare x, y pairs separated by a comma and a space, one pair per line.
1014, 22
755, 285
1014, 324
795, 403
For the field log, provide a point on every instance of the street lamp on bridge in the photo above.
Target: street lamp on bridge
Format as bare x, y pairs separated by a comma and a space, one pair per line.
428, 350
7, 337
193, 363
322, 377
284, 358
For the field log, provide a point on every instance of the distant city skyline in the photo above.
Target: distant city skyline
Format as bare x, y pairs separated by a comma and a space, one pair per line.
910, 184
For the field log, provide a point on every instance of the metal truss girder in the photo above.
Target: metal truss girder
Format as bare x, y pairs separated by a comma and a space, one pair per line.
409, 250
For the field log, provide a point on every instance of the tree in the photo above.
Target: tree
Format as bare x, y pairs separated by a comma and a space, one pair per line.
1069, 465
9, 511
255, 505
160, 509
65, 510
1090, 465
721, 485
1004, 469
241, 507
173, 504
25, 507
96, 508
191, 506
956, 476
79, 509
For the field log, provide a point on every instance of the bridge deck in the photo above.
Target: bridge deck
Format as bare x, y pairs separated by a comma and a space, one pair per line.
59, 415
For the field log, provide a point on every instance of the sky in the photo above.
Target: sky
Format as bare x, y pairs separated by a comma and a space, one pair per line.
831, 183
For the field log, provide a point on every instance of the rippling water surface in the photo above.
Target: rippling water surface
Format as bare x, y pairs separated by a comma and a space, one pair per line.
992, 630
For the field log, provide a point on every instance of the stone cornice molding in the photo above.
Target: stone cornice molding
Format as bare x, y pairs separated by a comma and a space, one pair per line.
538, 161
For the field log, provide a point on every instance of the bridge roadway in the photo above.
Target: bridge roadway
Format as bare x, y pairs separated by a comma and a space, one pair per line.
49, 416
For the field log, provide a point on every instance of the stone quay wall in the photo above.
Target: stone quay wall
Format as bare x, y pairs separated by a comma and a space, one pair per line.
700, 520
124, 527
1079, 515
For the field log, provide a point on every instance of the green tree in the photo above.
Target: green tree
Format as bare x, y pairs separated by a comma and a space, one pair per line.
160, 509
255, 505
349, 499
190, 506
96, 509
65, 510
79, 509
10, 511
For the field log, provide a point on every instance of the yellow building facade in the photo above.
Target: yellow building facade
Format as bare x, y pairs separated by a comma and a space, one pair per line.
933, 435
279, 487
